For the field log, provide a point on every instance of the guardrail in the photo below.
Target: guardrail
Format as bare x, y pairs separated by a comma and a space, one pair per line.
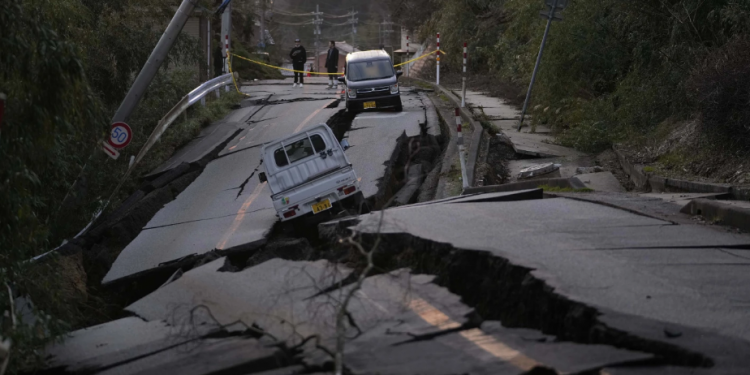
198, 94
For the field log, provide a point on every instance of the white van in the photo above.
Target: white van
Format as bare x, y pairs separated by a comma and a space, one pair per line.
307, 172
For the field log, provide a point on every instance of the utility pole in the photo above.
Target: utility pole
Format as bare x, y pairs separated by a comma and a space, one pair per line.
157, 57
317, 21
387, 31
353, 21
262, 43
555, 5
226, 30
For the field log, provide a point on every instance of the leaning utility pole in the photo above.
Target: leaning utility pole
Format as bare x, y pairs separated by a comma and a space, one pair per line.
157, 57
317, 22
555, 5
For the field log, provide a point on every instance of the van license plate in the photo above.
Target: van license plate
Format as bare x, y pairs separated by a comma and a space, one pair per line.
369, 105
321, 206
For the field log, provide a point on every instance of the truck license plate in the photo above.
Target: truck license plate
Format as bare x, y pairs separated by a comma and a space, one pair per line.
321, 206
369, 105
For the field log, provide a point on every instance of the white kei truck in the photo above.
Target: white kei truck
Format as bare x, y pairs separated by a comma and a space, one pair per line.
308, 172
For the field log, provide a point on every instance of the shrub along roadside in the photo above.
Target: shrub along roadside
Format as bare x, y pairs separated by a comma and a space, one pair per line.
612, 70
65, 67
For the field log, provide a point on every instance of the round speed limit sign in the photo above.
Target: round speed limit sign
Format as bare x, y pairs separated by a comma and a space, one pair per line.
120, 135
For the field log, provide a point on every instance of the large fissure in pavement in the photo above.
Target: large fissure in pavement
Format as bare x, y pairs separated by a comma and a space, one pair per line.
502, 291
410, 163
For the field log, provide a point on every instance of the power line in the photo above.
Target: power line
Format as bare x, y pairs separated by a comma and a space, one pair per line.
285, 13
308, 14
336, 16
339, 24
293, 23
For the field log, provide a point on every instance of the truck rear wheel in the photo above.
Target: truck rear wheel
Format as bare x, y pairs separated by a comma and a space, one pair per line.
360, 203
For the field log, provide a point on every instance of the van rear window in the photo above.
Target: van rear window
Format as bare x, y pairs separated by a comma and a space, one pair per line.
299, 150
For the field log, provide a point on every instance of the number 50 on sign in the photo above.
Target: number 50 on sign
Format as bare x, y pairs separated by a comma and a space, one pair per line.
120, 135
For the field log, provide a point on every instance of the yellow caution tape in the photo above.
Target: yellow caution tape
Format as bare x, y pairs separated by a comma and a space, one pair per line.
319, 73
289, 70
420, 57
229, 65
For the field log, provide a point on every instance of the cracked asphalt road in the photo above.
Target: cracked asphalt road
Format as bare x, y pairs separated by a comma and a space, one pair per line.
225, 207
231, 317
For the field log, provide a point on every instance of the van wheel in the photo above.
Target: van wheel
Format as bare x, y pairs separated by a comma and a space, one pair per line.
399, 107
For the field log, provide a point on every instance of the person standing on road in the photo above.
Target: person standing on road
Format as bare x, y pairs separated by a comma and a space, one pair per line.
332, 62
299, 57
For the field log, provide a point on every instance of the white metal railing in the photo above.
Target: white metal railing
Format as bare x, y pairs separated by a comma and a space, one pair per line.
211, 85
188, 100
198, 94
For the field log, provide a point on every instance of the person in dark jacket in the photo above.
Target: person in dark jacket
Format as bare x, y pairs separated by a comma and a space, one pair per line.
332, 62
299, 57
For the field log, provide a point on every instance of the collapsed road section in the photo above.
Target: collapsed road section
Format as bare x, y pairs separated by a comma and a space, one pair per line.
227, 209
501, 283
577, 270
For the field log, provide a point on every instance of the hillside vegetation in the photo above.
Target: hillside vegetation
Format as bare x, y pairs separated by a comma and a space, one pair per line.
613, 71
65, 66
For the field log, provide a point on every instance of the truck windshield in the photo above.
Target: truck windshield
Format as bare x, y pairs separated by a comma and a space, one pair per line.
299, 150
370, 70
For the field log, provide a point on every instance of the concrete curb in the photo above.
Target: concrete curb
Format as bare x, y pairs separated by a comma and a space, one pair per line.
449, 153
714, 210
635, 174
476, 136
562, 183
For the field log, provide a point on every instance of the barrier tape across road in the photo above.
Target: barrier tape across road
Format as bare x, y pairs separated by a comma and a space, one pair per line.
321, 73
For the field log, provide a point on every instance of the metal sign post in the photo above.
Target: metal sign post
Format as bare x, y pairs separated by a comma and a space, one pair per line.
407, 55
461, 149
226, 28
555, 6
437, 77
463, 81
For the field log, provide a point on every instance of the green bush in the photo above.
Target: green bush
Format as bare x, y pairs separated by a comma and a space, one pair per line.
65, 66
614, 68
720, 87
249, 70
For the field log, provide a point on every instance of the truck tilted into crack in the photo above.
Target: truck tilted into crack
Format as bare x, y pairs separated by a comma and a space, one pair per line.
308, 172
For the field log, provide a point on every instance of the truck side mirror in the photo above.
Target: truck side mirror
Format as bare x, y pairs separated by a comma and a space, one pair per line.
342, 80
262, 177
345, 144
399, 73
